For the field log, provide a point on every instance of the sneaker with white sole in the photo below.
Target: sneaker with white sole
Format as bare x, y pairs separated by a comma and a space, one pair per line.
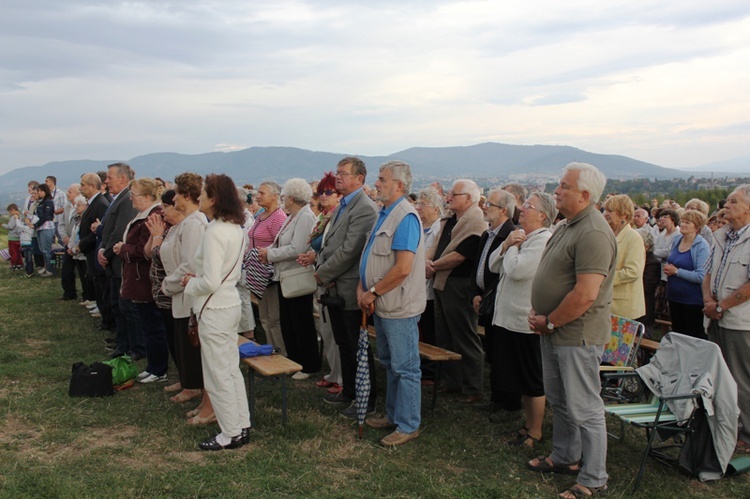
91, 305
142, 375
94, 310
87, 303
153, 378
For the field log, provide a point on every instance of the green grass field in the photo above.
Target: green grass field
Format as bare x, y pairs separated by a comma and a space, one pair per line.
136, 443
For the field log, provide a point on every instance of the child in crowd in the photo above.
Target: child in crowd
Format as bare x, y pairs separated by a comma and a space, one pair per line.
15, 228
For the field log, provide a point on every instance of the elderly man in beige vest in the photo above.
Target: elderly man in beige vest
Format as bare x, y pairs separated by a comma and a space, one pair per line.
392, 286
726, 295
451, 261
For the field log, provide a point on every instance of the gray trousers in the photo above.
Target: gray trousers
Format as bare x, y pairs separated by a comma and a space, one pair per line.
735, 347
456, 330
579, 431
268, 309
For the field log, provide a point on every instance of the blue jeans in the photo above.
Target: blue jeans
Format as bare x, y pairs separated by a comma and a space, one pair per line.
28, 258
44, 239
398, 350
127, 321
157, 351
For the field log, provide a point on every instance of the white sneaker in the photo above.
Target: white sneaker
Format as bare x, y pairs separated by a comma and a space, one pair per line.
94, 310
41, 271
46, 273
87, 303
144, 374
91, 305
153, 378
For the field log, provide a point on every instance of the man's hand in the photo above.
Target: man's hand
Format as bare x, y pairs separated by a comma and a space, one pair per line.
366, 300
477, 302
709, 310
101, 258
429, 269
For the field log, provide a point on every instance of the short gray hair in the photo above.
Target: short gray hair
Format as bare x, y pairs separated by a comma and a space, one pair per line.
80, 199
546, 206
744, 189
123, 170
242, 194
470, 187
273, 186
507, 200
431, 196
517, 190
400, 171
298, 189
590, 179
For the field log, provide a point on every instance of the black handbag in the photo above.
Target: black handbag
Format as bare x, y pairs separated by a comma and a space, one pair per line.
91, 381
487, 307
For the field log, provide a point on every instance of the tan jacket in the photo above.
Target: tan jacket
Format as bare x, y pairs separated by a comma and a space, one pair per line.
472, 223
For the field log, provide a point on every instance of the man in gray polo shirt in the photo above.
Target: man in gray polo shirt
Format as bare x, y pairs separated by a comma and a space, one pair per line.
570, 298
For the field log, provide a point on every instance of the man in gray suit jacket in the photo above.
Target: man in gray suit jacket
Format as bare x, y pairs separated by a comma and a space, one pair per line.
111, 231
338, 269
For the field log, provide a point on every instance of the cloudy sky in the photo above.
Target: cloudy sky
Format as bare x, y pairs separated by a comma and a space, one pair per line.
666, 82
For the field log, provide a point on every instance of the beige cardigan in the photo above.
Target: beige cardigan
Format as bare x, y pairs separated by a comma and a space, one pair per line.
472, 223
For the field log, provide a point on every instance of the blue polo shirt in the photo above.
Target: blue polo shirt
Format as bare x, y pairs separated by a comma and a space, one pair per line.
406, 237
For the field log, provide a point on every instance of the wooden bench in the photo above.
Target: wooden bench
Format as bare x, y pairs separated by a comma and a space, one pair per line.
270, 366
649, 345
430, 353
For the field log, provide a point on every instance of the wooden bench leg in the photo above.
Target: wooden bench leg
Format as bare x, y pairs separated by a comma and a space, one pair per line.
251, 396
284, 384
436, 386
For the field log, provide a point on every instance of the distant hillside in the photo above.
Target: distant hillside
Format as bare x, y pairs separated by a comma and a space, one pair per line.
489, 160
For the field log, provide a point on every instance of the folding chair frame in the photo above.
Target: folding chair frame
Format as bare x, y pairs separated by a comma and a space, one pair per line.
662, 419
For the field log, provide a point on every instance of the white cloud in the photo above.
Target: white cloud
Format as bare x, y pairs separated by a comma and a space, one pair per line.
665, 82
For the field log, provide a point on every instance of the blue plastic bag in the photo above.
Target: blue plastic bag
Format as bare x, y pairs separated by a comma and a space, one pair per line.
251, 349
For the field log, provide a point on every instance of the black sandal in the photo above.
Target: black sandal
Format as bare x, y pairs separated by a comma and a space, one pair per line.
521, 441
520, 433
578, 491
546, 465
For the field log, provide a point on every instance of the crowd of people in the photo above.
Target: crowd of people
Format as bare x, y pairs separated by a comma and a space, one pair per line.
540, 273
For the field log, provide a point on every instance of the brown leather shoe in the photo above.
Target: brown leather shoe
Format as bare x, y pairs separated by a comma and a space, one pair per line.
398, 438
470, 399
380, 423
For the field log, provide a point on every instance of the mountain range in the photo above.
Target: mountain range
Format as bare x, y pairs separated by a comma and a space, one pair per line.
488, 160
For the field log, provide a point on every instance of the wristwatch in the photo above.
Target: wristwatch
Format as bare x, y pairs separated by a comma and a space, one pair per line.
550, 326
372, 290
719, 310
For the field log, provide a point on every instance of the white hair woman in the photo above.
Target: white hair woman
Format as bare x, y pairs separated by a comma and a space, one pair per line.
430, 208
520, 358
295, 314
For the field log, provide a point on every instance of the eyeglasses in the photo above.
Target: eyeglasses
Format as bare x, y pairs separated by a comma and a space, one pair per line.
328, 192
454, 194
487, 203
342, 174
528, 205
